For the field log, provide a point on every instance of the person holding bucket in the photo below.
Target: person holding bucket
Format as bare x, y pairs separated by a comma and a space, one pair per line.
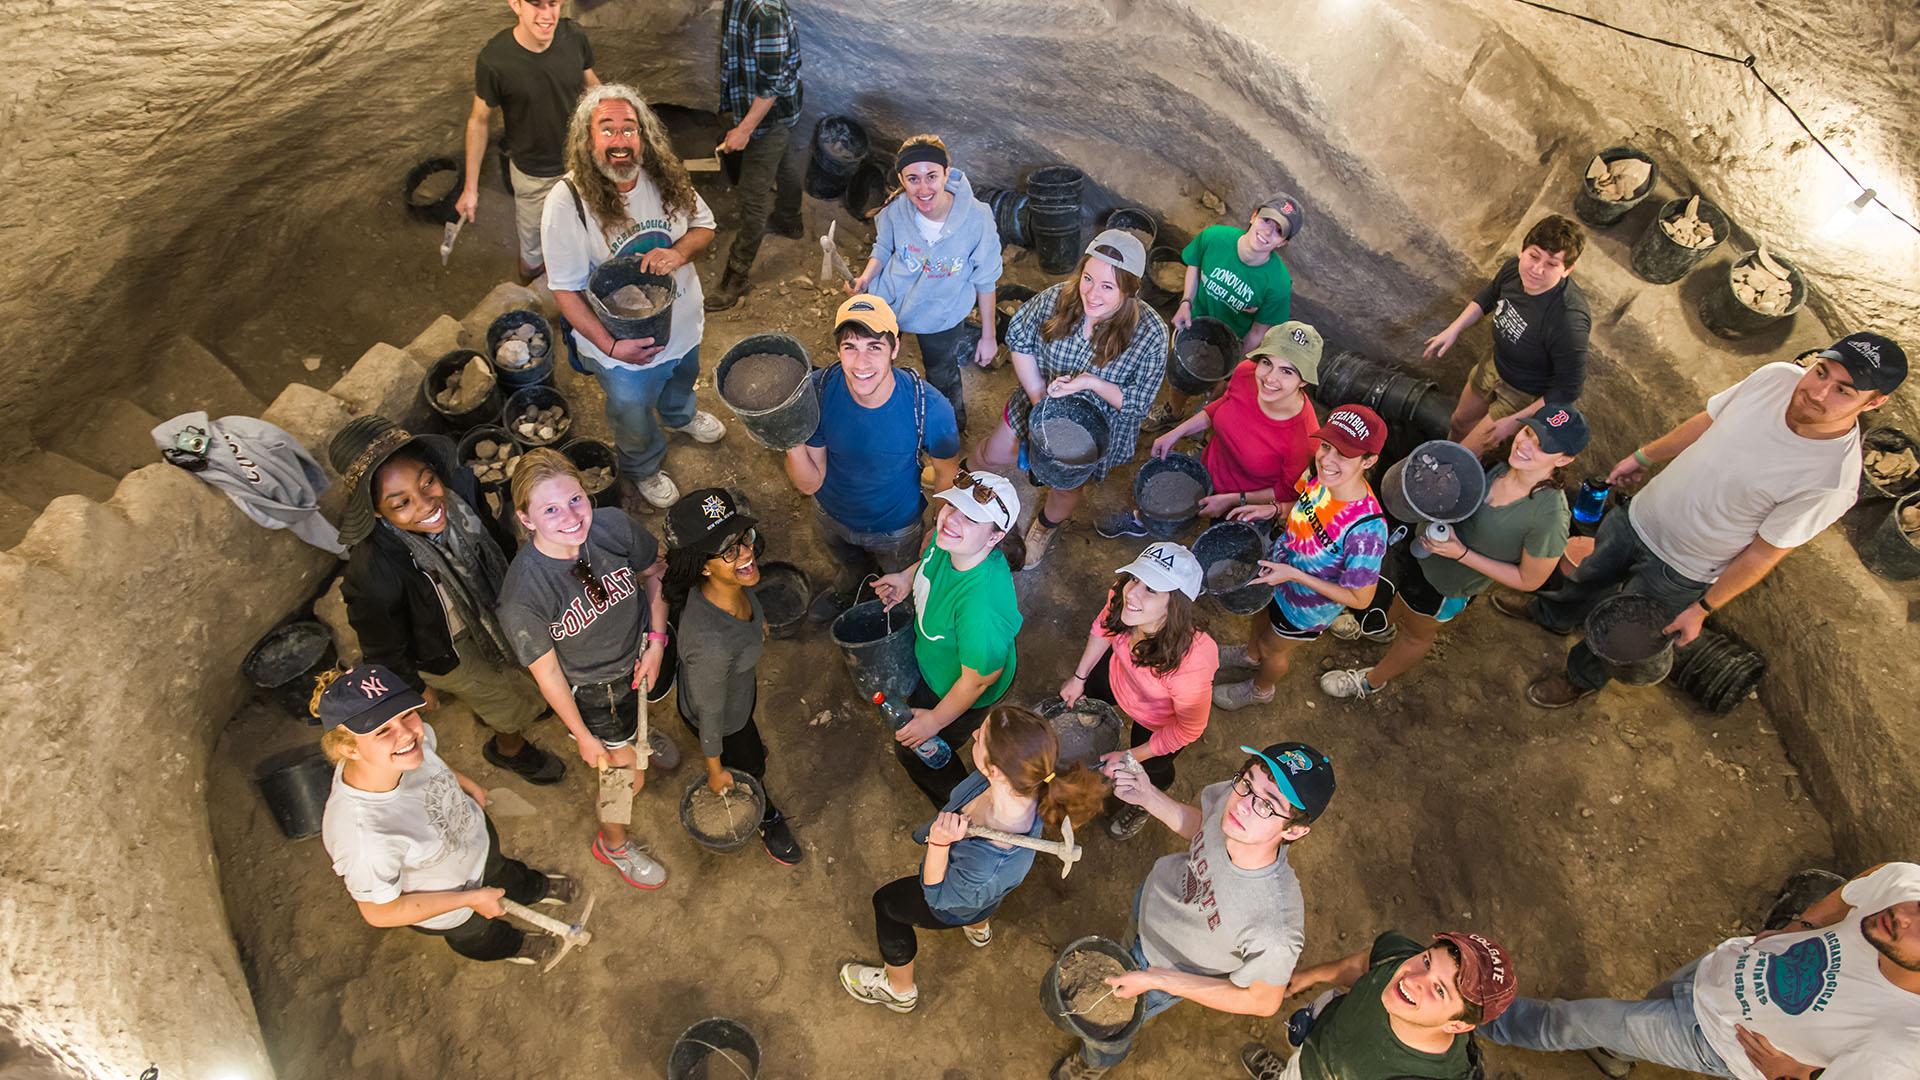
966, 618
627, 195
1262, 429
1325, 559
713, 555
1149, 654
1088, 335
1515, 538
1017, 786
862, 463
409, 835
577, 602
1770, 463
936, 256
423, 578
1236, 276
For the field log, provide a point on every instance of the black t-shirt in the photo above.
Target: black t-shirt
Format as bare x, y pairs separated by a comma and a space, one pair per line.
1539, 342
537, 91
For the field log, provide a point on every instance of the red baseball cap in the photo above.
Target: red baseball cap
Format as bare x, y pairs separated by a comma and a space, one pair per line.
1354, 430
1486, 975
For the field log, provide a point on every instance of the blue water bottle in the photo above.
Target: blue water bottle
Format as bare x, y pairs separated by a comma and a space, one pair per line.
935, 751
1590, 502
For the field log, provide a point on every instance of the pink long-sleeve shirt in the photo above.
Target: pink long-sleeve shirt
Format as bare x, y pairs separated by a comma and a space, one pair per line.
1174, 706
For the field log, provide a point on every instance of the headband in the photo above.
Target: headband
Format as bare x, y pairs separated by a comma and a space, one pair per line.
919, 152
378, 450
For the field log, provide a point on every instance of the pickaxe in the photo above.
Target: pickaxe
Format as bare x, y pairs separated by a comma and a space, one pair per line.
570, 934
830, 260
1064, 848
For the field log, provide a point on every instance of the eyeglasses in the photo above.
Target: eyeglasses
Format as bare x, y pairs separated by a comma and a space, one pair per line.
583, 573
742, 546
982, 494
1262, 806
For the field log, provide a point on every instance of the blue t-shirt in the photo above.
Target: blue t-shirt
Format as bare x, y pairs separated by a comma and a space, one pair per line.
873, 460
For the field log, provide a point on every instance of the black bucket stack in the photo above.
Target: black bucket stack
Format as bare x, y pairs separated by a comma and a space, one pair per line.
1053, 208
839, 149
1718, 670
1009, 214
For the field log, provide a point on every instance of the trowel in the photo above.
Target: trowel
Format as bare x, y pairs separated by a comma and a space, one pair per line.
830, 261
447, 236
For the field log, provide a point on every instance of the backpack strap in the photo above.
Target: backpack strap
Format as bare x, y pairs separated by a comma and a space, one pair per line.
579, 210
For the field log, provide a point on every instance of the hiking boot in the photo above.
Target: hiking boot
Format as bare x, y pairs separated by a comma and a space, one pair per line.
1610, 1063
662, 750
703, 428
828, 606
731, 289
1235, 656
1160, 418
869, 986
535, 949
790, 227
636, 867
1556, 692
531, 764
1236, 696
561, 890
1072, 1068
778, 837
658, 492
1037, 538
1520, 606
1127, 824
1347, 683
1124, 523
1262, 1063
979, 936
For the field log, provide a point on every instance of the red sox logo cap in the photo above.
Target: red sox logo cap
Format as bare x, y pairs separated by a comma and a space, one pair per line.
1558, 419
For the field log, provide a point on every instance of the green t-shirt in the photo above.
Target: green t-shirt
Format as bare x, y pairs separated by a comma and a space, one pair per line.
1352, 1040
1230, 290
964, 619
1536, 525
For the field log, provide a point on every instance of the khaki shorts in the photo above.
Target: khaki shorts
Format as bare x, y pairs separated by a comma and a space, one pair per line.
1503, 398
504, 699
529, 200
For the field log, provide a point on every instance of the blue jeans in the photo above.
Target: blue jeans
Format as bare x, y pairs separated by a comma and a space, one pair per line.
1105, 1055
1618, 556
633, 397
1660, 1028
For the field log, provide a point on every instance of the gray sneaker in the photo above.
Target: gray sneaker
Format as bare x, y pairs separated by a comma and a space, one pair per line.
1120, 523
1235, 656
1610, 1063
632, 861
663, 751
1127, 823
703, 428
1235, 696
535, 948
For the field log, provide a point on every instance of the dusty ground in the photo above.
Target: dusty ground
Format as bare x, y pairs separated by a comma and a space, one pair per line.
1606, 844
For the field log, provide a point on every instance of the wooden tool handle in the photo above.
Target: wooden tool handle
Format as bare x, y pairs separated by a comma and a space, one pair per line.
1051, 847
545, 922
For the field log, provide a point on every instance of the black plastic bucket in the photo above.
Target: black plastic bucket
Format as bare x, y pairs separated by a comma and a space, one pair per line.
839, 147
1724, 313
1600, 212
295, 785
1164, 298
787, 422
1718, 670
1886, 440
783, 592
698, 1050
615, 274
866, 191
748, 788
1405, 402
1043, 458
1055, 185
287, 661
1056, 240
1163, 519
1137, 220
426, 207
1439, 481
1055, 1005
1088, 729
436, 378
1626, 631
1887, 550
1007, 303
1229, 553
1009, 214
1203, 355
1801, 891
877, 646
1659, 260
539, 369
594, 454
540, 397
493, 433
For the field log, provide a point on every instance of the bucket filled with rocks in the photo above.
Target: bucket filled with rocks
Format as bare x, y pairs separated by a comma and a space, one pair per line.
765, 381
1892, 548
1889, 465
461, 388
492, 455
537, 416
520, 344
1618, 179
632, 302
1684, 232
599, 466
1760, 289
1086, 729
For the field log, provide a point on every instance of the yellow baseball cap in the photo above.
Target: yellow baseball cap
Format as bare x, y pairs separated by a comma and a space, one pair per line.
869, 311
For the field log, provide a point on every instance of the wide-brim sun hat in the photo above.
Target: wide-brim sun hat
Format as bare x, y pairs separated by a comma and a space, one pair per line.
358, 450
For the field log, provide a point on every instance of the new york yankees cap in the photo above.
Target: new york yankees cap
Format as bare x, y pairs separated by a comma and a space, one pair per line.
364, 697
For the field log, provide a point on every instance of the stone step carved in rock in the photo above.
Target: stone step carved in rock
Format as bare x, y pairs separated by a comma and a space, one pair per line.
186, 376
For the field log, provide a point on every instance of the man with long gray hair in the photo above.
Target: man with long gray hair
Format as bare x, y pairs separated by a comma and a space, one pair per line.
627, 194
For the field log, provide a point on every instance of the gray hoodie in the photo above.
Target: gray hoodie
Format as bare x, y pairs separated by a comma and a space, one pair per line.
265, 471
931, 288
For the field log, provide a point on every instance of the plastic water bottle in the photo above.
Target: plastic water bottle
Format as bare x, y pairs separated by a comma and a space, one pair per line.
1435, 532
1591, 501
935, 751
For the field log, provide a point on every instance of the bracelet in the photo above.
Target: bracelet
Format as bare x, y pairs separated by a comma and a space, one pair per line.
1079, 676
932, 844
1641, 457
655, 635
1708, 608
1243, 498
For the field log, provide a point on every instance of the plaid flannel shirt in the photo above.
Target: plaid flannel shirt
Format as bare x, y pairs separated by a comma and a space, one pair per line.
760, 57
1137, 371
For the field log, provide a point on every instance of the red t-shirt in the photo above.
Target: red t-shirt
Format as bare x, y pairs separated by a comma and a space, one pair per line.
1250, 450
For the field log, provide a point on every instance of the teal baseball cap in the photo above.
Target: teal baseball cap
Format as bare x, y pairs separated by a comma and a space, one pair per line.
1303, 775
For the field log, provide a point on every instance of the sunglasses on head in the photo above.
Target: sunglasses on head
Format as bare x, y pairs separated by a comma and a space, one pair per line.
982, 494
583, 573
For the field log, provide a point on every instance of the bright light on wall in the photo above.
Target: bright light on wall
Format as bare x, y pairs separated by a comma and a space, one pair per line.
1847, 216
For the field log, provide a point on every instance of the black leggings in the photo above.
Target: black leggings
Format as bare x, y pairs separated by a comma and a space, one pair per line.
742, 750
898, 907
938, 784
1159, 769
481, 938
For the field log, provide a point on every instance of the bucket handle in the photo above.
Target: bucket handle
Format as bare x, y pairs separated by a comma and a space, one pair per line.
722, 1055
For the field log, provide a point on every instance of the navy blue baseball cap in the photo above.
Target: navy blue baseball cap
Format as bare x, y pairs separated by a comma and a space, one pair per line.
1562, 429
1303, 775
1876, 362
365, 697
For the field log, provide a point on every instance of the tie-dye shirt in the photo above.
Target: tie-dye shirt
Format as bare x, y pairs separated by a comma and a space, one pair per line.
1337, 542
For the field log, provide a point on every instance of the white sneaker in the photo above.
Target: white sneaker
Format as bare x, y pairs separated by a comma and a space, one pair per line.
703, 428
979, 936
659, 490
869, 986
1347, 683
1235, 656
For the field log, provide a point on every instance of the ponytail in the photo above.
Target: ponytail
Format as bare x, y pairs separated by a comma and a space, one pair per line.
1021, 744
1013, 548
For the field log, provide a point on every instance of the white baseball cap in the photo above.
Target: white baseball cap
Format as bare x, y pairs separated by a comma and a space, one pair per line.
1167, 567
985, 497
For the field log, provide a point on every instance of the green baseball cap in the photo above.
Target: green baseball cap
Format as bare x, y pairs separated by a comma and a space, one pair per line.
1296, 343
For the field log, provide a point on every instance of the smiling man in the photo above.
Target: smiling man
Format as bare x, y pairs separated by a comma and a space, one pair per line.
1406, 1014
1770, 463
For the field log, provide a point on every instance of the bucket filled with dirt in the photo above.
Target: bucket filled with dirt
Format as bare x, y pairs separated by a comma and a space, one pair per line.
1066, 438
1627, 632
1167, 492
1166, 280
723, 821
537, 416
431, 188
765, 380
839, 147
1759, 290
1892, 548
287, 661
1889, 464
715, 1049
1077, 997
492, 455
1086, 729
1229, 553
877, 645
1684, 232
783, 593
1137, 220
632, 303
1203, 354
1617, 179
1440, 481
461, 388
599, 466
520, 343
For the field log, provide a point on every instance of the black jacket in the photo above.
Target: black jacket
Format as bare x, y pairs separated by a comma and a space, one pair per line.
391, 603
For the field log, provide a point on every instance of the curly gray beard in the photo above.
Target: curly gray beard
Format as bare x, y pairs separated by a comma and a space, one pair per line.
616, 173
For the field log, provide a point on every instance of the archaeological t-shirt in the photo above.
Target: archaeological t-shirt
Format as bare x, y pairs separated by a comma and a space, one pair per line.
964, 618
1353, 1039
1230, 290
536, 92
872, 481
544, 608
1817, 995
1539, 342
1535, 525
